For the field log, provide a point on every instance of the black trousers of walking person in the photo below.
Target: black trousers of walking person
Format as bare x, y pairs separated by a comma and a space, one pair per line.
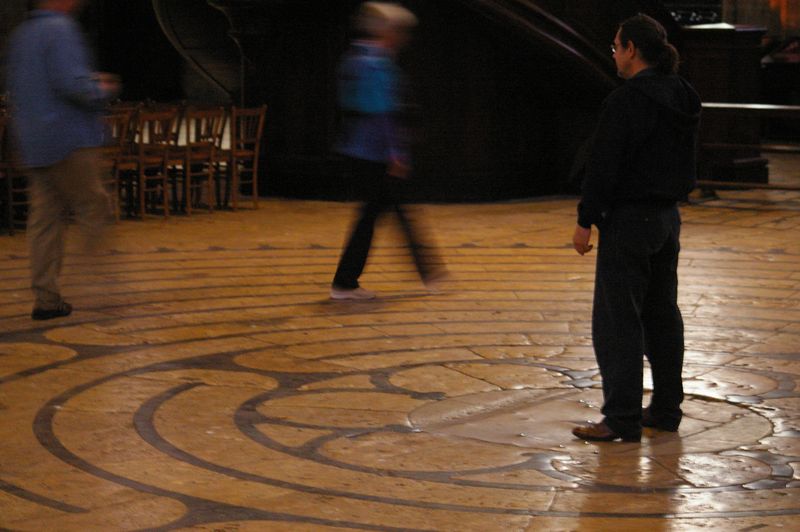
636, 313
380, 192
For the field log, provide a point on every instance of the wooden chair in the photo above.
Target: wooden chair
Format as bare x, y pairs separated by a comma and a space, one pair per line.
18, 199
16, 193
117, 144
131, 109
146, 168
247, 126
174, 163
203, 136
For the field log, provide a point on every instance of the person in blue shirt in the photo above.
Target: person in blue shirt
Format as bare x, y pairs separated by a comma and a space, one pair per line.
55, 102
375, 143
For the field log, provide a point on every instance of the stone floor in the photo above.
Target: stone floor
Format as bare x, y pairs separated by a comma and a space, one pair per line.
206, 382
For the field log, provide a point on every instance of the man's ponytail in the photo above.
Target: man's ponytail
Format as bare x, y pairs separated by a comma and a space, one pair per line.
650, 38
668, 60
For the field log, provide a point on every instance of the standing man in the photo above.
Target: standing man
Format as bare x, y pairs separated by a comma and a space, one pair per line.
55, 101
642, 162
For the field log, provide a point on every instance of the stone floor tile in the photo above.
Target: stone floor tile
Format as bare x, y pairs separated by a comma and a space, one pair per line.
699, 524
208, 383
445, 380
402, 358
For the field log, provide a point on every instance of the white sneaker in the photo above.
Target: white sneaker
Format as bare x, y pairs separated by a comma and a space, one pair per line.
351, 293
435, 280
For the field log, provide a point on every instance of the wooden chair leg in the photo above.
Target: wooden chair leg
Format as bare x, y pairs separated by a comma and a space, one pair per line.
165, 190
228, 185
187, 187
115, 199
218, 194
235, 185
254, 187
210, 197
9, 208
142, 186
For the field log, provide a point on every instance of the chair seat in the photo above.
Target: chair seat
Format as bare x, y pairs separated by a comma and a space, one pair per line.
200, 151
132, 162
243, 153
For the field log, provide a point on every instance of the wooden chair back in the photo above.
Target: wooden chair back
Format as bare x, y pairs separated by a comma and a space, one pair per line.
157, 128
118, 132
203, 135
247, 127
204, 126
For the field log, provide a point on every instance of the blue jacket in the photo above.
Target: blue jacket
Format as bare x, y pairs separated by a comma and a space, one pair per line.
54, 100
369, 83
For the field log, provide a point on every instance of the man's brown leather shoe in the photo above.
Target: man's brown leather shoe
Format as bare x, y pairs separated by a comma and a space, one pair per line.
601, 432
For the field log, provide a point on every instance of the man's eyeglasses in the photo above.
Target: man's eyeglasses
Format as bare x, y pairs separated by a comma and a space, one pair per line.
613, 49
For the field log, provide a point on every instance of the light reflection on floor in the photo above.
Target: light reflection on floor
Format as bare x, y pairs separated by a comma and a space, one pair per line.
206, 382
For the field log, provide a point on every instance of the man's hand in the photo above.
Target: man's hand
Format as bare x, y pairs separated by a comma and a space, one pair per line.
109, 83
398, 169
580, 239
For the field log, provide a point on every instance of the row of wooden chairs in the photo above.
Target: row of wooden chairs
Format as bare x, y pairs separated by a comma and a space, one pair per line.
165, 159
158, 152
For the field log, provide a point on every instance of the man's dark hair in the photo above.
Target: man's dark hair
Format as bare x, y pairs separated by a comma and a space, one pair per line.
650, 38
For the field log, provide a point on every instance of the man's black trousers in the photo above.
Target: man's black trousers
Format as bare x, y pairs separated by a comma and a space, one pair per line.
380, 193
636, 313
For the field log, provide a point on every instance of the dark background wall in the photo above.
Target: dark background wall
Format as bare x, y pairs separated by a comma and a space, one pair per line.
500, 114
125, 38
498, 117
497, 112
12, 12
492, 110
128, 40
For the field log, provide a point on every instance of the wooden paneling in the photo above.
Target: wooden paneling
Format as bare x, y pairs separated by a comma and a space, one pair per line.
723, 62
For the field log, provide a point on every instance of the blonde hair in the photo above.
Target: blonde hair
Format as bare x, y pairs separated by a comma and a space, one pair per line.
374, 18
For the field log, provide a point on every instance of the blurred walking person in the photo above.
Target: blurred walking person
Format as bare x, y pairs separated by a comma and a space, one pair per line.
375, 142
55, 100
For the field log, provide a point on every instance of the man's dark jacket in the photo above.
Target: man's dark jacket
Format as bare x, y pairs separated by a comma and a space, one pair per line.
644, 148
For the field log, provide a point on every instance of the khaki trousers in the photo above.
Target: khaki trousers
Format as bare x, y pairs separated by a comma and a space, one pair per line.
72, 184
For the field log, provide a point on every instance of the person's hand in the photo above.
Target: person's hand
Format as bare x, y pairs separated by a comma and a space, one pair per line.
580, 239
109, 83
398, 169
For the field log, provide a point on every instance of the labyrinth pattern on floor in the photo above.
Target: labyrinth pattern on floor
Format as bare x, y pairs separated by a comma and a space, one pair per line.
206, 382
